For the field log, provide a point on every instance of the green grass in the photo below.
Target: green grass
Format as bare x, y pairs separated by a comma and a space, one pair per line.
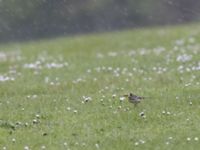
42, 107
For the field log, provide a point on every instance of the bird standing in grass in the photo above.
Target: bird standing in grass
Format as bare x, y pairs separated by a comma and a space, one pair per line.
134, 98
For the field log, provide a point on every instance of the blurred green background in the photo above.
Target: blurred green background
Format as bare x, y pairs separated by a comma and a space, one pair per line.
30, 19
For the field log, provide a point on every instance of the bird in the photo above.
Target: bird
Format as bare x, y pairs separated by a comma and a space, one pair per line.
134, 98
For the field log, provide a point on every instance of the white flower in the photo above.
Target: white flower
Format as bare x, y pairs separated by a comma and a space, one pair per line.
141, 114
97, 145
65, 143
6, 78
3, 56
37, 116
168, 113
122, 98
196, 138
114, 95
170, 138
110, 68
191, 40
34, 96
184, 58
188, 139
31, 66
46, 80
136, 143
131, 53
35, 121
180, 42
43, 147
142, 141
13, 140
54, 65
143, 51
86, 99
99, 55
4, 148
89, 71
26, 124
83, 144
158, 50
112, 54
26, 148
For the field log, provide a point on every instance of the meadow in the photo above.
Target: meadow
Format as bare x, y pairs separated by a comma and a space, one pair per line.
67, 93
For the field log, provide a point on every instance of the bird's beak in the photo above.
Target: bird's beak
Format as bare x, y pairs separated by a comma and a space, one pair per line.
125, 95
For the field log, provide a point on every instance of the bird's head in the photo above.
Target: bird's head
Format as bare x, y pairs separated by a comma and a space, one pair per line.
128, 95
131, 94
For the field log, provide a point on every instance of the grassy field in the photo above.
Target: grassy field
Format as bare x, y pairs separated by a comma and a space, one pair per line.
66, 93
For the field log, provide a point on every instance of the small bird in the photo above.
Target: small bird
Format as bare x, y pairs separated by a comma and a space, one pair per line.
134, 98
